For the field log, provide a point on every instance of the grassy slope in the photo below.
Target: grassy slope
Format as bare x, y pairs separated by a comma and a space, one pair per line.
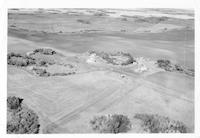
74, 100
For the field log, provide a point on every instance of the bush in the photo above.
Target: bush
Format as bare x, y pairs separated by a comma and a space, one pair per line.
63, 74
19, 60
111, 124
45, 51
22, 120
168, 66
119, 58
178, 68
14, 102
12, 54
41, 72
190, 72
165, 64
159, 124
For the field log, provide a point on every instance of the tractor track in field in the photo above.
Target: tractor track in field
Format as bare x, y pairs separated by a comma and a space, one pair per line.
69, 116
106, 96
159, 88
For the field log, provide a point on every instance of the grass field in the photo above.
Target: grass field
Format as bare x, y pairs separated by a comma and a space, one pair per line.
66, 104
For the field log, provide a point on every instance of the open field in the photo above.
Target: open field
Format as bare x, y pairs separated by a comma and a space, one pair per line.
66, 104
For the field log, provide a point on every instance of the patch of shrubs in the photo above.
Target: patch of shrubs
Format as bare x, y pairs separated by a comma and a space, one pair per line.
45, 51
178, 68
159, 124
14, 102
111, 123
153, 20
25, 60
168, 66
19, 60
21, 120
41, 72
62, 74
190, 72
165, 64
119, 58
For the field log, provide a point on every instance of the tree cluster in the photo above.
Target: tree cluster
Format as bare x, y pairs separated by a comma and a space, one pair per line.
21, 119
